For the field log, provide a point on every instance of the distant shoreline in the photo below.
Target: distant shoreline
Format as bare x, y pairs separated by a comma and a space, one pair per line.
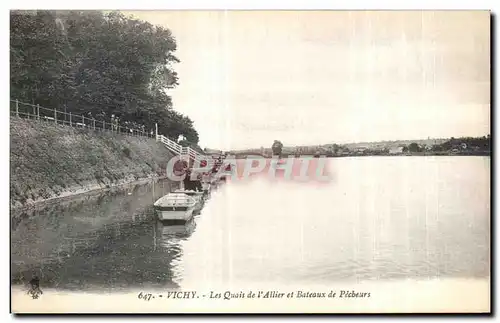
463, 146
418, 154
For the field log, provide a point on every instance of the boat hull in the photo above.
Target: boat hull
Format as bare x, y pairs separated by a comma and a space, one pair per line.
174, 214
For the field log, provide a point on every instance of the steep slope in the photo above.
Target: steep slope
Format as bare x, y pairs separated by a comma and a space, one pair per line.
48, 160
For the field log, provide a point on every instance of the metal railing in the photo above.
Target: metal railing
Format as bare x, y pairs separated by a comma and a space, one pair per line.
172, 145
36, 112
184, 152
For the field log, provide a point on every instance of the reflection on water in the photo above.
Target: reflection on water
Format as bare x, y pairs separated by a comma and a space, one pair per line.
105, 240
177, 231
170, 238
382, 218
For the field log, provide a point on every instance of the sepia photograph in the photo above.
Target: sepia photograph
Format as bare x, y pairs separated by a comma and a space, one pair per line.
250, 161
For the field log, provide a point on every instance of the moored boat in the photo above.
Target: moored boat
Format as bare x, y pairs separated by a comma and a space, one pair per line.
224, 173
176, 206
198, 196
206, 186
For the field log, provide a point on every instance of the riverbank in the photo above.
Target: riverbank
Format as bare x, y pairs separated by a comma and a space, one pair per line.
69, 197
49, 162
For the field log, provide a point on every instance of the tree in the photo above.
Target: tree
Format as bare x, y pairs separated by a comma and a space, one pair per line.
335, 148
437, 148
91, 62
277, 147
414, 147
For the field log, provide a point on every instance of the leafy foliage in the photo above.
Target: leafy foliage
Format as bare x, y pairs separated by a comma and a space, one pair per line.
414, 147
277, 147
479, 143
102, 64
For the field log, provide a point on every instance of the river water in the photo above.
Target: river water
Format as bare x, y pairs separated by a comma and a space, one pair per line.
380, 218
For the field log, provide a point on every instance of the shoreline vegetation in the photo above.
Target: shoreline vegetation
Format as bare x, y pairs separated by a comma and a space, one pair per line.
106, 67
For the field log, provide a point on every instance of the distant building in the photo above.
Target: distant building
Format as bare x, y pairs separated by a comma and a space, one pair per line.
395, 150
359, 150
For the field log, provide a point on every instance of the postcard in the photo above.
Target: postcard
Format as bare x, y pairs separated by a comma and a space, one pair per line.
250, 161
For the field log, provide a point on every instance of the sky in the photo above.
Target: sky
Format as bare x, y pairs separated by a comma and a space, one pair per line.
319, 77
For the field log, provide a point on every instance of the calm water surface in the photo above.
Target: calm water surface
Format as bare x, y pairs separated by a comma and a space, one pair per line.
387, 218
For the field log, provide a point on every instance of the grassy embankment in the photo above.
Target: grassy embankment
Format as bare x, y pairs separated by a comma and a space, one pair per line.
49, 161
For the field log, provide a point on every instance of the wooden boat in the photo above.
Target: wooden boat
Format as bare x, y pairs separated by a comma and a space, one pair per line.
176, 206
198, 196
224, 174
206, 186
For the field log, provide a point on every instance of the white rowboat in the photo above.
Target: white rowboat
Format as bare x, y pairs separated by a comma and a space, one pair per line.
175, 206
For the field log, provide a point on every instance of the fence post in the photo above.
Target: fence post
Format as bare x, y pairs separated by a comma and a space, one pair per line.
93, 121
34, 112
83, 121
70, 120
55, 115
38, 111
156, 130
17, 108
